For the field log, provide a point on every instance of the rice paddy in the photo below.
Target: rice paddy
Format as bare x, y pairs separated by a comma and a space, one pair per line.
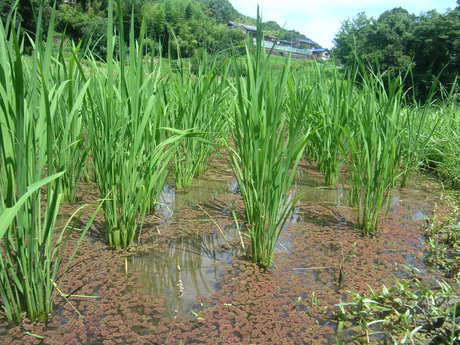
148, 201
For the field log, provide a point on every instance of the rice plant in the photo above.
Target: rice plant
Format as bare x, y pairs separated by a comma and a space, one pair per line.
419, 127
329, 110
30, 254
71, 149
197, 102
130, 148
266, 151
375, 144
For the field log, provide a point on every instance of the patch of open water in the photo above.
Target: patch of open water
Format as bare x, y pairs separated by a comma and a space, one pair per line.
192, 266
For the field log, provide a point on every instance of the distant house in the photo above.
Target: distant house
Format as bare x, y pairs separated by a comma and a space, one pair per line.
321, 54
251, 30
297, 48
71, 2
304, 43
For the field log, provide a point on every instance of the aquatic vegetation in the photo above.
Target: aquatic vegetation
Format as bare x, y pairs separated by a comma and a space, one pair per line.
443, 237
409, 312
266, 151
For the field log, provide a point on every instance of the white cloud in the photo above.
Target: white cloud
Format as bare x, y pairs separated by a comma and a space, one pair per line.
321, 19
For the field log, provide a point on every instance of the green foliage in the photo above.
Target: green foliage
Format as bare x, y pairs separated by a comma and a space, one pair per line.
31, 257
268, 145
443, 237
329, 108
200, 102
130, 146
410, 312
441, 154
427, 43
375, 147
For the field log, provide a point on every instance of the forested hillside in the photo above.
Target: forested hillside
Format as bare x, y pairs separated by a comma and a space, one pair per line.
428, 43
189, 24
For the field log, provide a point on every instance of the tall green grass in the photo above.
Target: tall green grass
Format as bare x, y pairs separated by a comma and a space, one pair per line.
197, 101
328, 112
375, 144
266, 151
69, 133
30, 253
131, 149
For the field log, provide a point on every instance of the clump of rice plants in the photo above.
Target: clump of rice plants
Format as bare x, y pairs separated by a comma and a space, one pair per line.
441, 154
421, 121
69, 142
130, 148
375, 144
30, 255
328, 112
266, 151
196, 102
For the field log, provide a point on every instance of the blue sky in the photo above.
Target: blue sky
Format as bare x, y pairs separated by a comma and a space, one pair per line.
320, 20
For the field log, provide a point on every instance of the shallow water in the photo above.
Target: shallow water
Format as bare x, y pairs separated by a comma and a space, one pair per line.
191, 266
189, 283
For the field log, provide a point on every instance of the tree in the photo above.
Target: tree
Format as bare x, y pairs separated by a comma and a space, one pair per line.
428, 44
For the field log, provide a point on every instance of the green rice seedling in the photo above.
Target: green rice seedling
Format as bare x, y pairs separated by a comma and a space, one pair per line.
30, 254
70, 147
196, 101
266, 152
328, 113
130, 148
419, 127
375, 144
441, 153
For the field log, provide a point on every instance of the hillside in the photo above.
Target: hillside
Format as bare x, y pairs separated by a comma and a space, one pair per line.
223, 11
171, 25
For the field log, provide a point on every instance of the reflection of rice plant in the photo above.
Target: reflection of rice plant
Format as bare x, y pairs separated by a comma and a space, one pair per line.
183, 270
267, 149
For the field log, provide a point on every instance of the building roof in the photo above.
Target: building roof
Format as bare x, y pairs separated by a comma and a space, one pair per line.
302, 40
320, 50
245, 26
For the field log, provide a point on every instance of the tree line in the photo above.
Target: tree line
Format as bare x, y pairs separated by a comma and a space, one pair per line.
429, 44
172, 26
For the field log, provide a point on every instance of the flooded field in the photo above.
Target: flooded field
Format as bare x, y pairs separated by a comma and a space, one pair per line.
189, 281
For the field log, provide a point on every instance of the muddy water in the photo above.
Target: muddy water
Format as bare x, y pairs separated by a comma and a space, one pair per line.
191, 267
189, 282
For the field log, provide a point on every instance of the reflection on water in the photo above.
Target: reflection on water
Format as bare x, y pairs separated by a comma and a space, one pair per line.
186, 270
310, 189
190, 266
165, 206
